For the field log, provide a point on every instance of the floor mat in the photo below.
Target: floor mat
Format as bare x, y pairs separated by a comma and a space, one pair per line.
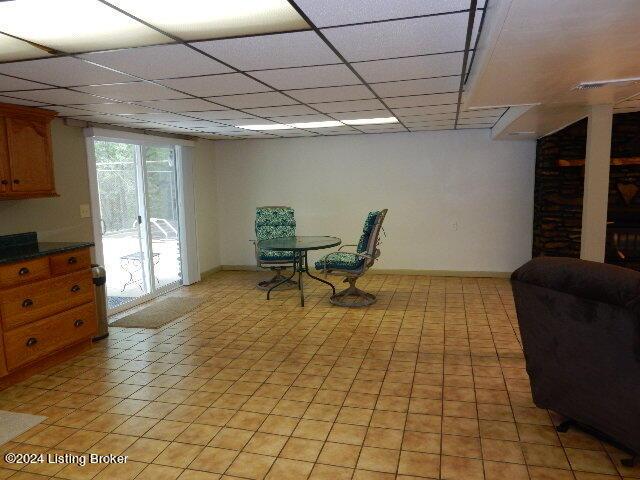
159, 313
14, 424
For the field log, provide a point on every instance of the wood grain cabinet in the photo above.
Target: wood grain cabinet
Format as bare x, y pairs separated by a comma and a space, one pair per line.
47, 305
26, 164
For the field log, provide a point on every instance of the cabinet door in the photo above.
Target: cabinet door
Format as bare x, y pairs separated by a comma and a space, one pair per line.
4, 157
29, 155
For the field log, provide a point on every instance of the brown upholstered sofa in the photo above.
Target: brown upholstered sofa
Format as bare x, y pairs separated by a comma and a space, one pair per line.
580, 326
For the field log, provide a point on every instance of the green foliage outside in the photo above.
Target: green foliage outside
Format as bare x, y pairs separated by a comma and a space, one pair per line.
117, 184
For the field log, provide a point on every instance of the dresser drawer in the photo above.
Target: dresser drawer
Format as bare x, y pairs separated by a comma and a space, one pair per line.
23, 272
38, 300
35, 340
72, 261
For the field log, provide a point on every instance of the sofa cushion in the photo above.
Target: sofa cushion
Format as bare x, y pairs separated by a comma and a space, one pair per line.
591, 280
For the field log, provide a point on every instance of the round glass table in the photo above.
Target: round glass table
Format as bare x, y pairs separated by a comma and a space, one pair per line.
299, 246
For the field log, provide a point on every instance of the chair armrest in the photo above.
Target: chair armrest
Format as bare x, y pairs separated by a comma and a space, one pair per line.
347, 245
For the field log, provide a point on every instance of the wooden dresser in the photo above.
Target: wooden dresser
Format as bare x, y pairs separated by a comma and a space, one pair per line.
47, 304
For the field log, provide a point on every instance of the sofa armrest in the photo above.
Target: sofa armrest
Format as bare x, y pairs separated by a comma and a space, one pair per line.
590, 280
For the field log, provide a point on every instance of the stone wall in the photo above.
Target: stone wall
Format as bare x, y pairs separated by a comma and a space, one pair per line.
558, 190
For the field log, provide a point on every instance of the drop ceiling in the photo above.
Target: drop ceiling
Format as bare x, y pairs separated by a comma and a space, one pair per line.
185, 67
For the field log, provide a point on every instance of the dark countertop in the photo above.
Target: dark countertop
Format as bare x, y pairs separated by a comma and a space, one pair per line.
16, 253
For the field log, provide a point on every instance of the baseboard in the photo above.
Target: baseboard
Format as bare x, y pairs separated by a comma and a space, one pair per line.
401, 271
208, 273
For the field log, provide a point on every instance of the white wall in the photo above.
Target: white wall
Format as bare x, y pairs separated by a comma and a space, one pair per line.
206, 200
457, 200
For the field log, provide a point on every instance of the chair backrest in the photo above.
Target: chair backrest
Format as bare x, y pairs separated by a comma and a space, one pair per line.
371, 239
275, 222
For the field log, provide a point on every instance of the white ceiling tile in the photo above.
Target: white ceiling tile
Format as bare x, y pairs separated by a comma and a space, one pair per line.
477, 120
182, 105
197, 124
159, 117
116, 108
485, 112
410, 68
426, 110
74, 25
484, 126
296, 133
363, 114
302, 118
331, 94
349, 106
280, 111
382, 129
295, 49
428, 123
216, 85
422, 100
339, 12
417, 87
57, 96
308, 77
427, 118
400, 38
253, 121
432, 129
254, 100
135, 91
160, 61
69, 111
19, 101
63, 72
8, 84
220, 115
107, 118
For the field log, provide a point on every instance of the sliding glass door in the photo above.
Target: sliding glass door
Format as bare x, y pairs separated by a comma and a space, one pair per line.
137, 189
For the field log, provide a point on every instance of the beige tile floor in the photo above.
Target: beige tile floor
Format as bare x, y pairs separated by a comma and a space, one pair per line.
429, 382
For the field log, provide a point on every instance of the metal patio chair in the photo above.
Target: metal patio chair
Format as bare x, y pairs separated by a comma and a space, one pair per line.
353, 265
274, 222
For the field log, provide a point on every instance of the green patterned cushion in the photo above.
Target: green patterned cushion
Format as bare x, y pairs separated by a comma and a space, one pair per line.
273, 256
275, 222
366, 231
340, 261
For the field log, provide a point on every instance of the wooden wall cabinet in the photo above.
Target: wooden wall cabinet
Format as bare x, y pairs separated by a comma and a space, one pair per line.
26, 160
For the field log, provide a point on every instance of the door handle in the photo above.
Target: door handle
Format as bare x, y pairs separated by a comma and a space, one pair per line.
16, 181
139, 220
5, 182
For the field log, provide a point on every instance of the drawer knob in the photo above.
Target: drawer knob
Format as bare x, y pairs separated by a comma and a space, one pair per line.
4, 182
27, 303
72, 260
75, 288
23, 271
32, 341
16, 181
78, 323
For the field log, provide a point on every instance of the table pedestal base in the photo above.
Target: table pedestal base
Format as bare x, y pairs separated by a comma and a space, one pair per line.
300, 266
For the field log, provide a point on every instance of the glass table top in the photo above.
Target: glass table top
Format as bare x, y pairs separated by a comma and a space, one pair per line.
299, 243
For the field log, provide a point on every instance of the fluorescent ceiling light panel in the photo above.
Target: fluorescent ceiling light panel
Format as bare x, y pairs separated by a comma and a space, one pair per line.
274, 126
75, 25
323, 124
13, 49
371, 121
208, 19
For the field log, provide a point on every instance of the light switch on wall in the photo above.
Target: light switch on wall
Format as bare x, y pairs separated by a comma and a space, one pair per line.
85, 210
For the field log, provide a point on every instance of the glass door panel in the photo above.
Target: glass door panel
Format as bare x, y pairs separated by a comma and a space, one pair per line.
162, 212
122, 222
